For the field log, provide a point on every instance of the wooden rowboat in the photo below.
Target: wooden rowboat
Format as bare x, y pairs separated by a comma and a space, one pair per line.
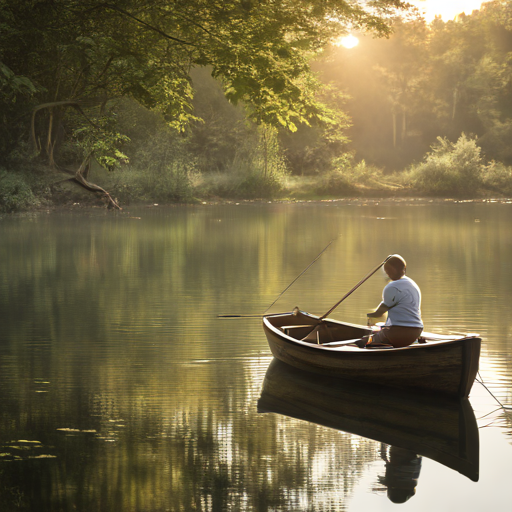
444, 429
436, 364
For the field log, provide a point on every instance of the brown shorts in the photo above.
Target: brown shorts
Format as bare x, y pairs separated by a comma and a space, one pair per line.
397, 335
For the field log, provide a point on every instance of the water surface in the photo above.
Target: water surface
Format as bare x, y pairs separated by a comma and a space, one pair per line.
122, 391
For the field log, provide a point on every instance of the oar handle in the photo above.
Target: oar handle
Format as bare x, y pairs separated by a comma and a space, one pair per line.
355, 287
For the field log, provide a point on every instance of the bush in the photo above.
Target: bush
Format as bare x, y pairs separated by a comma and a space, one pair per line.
254, 173
336, 183
449, 169
259, 186
498, 177
244, 184
161, 166
365, 175
171, 184
349, 177
15, 193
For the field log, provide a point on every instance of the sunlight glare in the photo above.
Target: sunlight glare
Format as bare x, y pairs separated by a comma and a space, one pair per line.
349, 41
447, 10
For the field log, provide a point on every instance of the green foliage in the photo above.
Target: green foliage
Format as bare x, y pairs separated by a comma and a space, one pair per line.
450, 169
361, 173
11, 85
223, 135
336, 183
147, 186
103, 141
256, 186
161, 167
91, 51
15, 91
313, 148
245, 184
15, 193
69, 59
256, 171
352, 178
429, 81
497, 177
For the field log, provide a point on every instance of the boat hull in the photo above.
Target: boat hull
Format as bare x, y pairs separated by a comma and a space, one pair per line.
446, 366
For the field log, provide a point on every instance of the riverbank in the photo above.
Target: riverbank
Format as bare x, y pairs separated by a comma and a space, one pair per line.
22, 193
101, 210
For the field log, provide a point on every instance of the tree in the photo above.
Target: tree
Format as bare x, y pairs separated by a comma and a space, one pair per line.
427, 81
79, 55
471, 79
384, 79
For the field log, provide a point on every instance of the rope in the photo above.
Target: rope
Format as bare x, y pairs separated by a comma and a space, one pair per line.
481, 381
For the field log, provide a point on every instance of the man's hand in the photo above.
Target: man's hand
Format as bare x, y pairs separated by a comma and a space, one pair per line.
377, 315
370, 320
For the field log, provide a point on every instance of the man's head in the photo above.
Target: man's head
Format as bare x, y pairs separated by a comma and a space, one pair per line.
395, 267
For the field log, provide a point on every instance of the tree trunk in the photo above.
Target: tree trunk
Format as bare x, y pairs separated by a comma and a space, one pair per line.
81, 175
394, 129
80, 178
404, 126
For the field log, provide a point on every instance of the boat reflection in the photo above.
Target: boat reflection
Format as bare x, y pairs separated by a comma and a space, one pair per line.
408, 426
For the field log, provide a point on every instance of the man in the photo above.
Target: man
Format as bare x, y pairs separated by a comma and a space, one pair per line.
401, 299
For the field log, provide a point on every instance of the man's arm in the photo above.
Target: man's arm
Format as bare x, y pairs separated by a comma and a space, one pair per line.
379, 311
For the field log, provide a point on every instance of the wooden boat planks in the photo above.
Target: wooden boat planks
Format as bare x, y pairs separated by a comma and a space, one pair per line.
445, 366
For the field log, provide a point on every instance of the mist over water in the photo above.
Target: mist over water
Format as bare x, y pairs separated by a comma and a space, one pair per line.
121, 390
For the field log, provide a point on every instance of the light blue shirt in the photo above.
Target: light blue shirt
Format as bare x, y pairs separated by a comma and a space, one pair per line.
403, 297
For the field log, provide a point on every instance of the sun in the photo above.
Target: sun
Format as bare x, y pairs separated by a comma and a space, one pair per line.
349, 41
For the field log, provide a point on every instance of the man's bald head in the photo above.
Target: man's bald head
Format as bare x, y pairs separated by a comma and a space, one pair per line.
395, 267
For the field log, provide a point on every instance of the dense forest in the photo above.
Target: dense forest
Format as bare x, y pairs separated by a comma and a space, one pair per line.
184, 100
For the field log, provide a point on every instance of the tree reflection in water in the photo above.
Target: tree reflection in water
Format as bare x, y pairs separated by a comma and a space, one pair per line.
109, 330
184, 447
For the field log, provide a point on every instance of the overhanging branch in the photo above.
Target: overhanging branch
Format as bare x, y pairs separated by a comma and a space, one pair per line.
145, 24
53, 104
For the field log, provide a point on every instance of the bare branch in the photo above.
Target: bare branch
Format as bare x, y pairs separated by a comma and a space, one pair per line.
147, 25
51, 105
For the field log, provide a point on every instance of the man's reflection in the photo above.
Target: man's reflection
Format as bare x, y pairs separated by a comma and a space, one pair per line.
402, 472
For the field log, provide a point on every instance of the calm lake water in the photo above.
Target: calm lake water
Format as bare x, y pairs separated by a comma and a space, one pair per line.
121, 390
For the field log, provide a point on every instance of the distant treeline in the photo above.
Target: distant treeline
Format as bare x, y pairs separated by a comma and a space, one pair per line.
427, 81
246, 99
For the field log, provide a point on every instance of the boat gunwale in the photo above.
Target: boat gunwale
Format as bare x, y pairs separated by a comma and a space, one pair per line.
391, 350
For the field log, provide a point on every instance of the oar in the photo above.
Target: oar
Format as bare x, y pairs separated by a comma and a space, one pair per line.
239, 316
311, 335
370, 274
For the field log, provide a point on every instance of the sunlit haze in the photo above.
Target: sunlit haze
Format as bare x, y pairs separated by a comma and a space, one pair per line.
349, 41
447, 9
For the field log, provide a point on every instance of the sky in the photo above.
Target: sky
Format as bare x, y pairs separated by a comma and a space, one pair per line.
447, 9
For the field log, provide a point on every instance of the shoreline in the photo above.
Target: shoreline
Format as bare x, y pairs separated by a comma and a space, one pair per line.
347, 201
